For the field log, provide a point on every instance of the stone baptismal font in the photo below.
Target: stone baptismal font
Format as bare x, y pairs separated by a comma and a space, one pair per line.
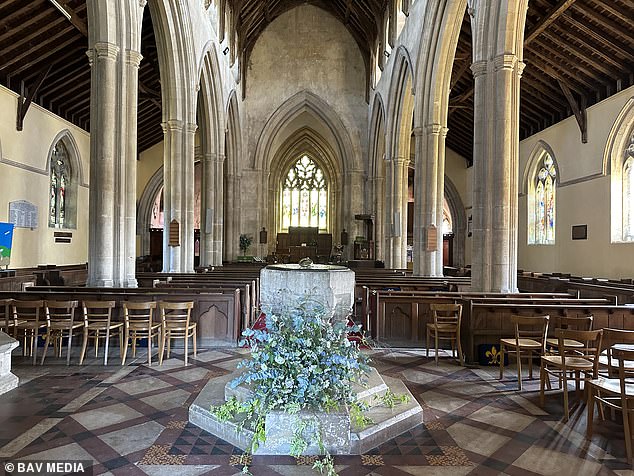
332, 287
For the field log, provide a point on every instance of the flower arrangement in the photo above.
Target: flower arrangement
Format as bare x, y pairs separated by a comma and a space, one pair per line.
302, 361
245, 242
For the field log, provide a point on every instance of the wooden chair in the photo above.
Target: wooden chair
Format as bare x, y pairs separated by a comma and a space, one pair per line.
616, 393
98, 325
139, 324
571, 359
579, 323
8, 324
446, 326
29, 323
60, 323
608, 365
177, 324
530, 337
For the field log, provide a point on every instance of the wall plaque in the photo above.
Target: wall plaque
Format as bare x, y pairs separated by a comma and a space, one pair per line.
23, 214
432, 238
579, 232
174, 236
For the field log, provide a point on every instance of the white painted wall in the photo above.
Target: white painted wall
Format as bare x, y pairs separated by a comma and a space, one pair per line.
24, 176
583, 197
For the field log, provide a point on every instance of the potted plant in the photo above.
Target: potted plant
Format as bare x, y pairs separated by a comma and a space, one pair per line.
245, 243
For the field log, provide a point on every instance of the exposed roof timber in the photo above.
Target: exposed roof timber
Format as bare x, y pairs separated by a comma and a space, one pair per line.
547, 20
605, 42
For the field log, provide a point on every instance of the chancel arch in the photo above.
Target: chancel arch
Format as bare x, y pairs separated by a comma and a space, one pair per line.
305, 124
619, 163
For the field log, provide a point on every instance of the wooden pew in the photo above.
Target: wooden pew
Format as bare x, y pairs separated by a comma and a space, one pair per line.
218, 314
487, 322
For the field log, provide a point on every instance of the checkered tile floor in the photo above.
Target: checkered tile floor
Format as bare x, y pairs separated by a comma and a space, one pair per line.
133, 420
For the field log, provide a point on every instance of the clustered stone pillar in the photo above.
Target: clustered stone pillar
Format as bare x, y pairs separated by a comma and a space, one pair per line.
496, 145
212, 209
178, 195
112, 196
399, 245
426, 197
230, 230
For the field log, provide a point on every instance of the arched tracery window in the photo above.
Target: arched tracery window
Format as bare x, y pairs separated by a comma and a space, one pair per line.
60, 177
305, 196
543, 212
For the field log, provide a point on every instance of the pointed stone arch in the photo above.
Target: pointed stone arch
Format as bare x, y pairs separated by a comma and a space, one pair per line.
619, 139
144, 209
375, 188
399, 130
305, 101
211, 127
435, 59
232, 177
459, 217
306, 120
306, 141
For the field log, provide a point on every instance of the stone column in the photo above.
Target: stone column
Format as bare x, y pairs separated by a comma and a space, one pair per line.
230, 229
172, 196
212, 201
440, 195
427, 142
388, 200
496, 144
132, 61
399, 248
187, 228
103, 97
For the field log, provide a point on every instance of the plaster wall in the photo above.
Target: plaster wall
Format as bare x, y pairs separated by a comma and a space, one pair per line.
24, 176
461, 176
583, 197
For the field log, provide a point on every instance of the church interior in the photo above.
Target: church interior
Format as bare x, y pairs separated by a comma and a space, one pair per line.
471, 161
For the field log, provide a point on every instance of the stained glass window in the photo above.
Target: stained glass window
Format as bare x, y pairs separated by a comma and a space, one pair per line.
59, 181
305, 196
544, 212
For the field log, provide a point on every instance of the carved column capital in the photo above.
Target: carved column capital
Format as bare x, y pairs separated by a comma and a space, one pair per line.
173, 125
505, 61
133, 58
478, 68
102, 50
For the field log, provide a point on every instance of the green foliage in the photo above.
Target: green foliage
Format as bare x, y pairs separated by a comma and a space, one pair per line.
299, 443
357, 418
390, 399
325, 466
245, 242
303, 361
